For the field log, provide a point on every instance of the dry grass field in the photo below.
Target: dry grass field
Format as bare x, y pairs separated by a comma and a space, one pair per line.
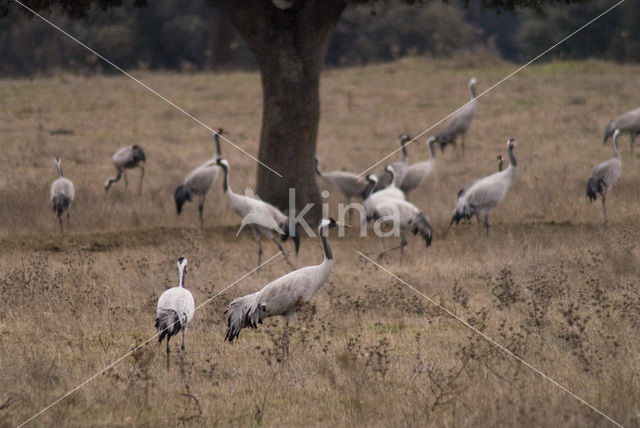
551, 283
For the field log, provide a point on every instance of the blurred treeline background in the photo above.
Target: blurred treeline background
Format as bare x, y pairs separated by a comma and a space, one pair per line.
194, 35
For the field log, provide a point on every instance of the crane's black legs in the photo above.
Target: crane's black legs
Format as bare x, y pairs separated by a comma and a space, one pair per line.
141, 178
285, 340
113, 180
604, 206
126, 182
60, 221
486, 224
633, 137
286, 257
200, 208
403, 243
184, 333
259, 248
168, 352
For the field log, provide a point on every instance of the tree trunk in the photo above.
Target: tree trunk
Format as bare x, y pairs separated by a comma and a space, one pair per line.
290, 46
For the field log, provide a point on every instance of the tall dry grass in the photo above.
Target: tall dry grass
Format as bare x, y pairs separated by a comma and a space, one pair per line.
552, 283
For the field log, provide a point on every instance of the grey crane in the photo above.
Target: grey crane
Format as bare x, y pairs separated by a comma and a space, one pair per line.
417, 172
263, 218
604, 176
199, 181
128, 157
628, 122
62, 194
459, 122
283, 296
347, 183
401, 214
484, 194
400, 167
175, 309
500, 160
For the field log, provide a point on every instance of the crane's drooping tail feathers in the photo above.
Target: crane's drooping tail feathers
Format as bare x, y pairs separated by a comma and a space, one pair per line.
243, 312
138, 154
421, 224
168, 324
182, 195
60, 203
595, 186
463, 211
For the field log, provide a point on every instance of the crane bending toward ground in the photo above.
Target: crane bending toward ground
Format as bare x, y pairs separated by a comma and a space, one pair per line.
263, 217
417, 172
459, 122
347, 183
199, 181
128, 157
283, 296
604, 176
484, 194
403, 215
628, 122
62, 194
175, 309
384, 178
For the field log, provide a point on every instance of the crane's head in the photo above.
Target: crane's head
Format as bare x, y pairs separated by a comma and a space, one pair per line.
500, 158
219, 131
390, 170
511, 143
431, 140
371, 179
473, 81
403, 139
223, 163
182, 263
327, 223
57, 161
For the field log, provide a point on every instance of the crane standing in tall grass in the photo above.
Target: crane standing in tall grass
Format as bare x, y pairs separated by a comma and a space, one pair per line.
175, 309
604, 176
62, 194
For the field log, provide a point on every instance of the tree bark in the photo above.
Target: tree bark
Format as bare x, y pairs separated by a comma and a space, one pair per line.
290, 46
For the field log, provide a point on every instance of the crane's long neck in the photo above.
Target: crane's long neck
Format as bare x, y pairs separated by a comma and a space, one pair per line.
218, 151
405, 156
472, 88
432, 152
369, 189
59, 169
225, 182
328, 255
181, 276
616, 153
512, 158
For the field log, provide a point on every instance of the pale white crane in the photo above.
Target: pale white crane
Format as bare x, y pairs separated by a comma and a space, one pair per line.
62, 194
628, 122
459, 122
128, 157
347, 183
484, 194
199, 181
175, 309
264, 217
604, 176
417, 172
283, 296
400, 167
399, 213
